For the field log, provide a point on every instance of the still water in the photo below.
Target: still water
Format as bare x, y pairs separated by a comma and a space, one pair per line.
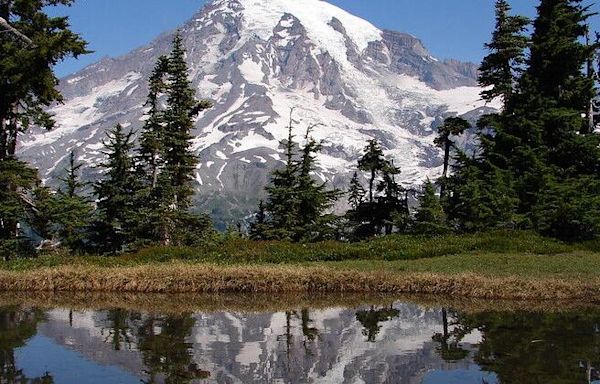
385, 341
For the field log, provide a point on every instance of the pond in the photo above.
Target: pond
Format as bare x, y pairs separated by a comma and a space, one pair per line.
293, 340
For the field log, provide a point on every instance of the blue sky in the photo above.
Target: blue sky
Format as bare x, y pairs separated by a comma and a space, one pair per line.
449, 28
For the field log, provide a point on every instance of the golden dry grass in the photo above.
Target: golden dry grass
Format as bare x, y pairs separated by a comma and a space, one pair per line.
178, 277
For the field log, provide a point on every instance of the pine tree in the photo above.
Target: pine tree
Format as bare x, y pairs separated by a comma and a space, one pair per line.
390, 205
373, 162
182, 108
500, 68
259, 228
430, 218
34, 43
69, 212
283, 201
480, 196
314, 199
72, 180
453, 126
151, 150
356, 193
166, 161
27, 80
17, 181
115, 193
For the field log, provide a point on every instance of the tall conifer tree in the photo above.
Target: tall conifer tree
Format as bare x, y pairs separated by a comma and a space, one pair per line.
453, 126
115, 193
500, 68
182, 108
282, 203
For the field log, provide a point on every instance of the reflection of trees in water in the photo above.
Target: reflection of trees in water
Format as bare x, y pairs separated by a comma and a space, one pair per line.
117, 328
16, 328
309, 332
165, 352
371, 318
449, 340
524, 347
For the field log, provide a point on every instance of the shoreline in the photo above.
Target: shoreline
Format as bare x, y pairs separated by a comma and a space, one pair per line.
185, 278
177, 304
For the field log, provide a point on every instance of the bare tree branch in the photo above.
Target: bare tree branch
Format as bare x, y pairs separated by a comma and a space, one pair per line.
7, 27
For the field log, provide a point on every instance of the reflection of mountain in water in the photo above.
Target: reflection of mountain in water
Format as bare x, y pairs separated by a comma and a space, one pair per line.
296, 346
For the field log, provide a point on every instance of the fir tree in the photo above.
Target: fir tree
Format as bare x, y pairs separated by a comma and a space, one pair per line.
373, 162
72, 180
314, 199
182, 108
356, 192
151, 150
27, 80
166, 161
17, 181
32, 45
453, 126
115, 193
480, 196
259, 227
69, 212
430, 218
390, 205
282, 202
500, 68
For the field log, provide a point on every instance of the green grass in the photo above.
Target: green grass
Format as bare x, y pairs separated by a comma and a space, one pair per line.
494, 253
575, 265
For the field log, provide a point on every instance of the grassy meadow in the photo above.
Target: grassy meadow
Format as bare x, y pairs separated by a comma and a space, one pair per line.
498, 265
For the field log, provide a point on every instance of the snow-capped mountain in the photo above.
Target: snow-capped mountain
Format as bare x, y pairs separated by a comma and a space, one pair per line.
331, 347
257, 59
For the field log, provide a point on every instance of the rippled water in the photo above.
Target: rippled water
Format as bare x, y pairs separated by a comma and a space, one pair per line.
387, 342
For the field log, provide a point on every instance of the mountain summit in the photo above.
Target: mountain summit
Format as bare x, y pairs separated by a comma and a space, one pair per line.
258, 59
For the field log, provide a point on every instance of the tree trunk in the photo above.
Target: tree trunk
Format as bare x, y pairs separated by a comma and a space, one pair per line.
371, 181
12, 133
3, 138
445, 323
446, 166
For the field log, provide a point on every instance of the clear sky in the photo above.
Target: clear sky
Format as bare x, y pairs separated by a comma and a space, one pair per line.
449, 28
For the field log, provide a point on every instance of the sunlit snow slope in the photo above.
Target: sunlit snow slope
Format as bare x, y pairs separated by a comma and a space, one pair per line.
257, 59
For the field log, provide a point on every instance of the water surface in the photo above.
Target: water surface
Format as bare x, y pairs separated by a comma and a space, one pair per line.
382, 341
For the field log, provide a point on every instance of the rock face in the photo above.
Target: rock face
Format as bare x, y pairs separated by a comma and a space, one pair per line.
257, 59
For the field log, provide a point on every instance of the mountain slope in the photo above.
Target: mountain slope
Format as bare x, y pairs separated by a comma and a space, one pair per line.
257, 59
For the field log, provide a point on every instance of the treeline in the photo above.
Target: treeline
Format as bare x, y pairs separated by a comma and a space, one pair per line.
536, 165
144, 194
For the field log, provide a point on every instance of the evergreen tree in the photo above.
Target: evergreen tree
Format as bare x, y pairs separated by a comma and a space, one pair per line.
151, 150
182, 108
166, 161
390, 206
283, 201
32, 45
27, 80
501, 66
17, 182
430, 218
356, 192
453, 126
480, 196
373, 162
72, 180
68, 212
297, 204
115, 193
260, 226
314, 199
